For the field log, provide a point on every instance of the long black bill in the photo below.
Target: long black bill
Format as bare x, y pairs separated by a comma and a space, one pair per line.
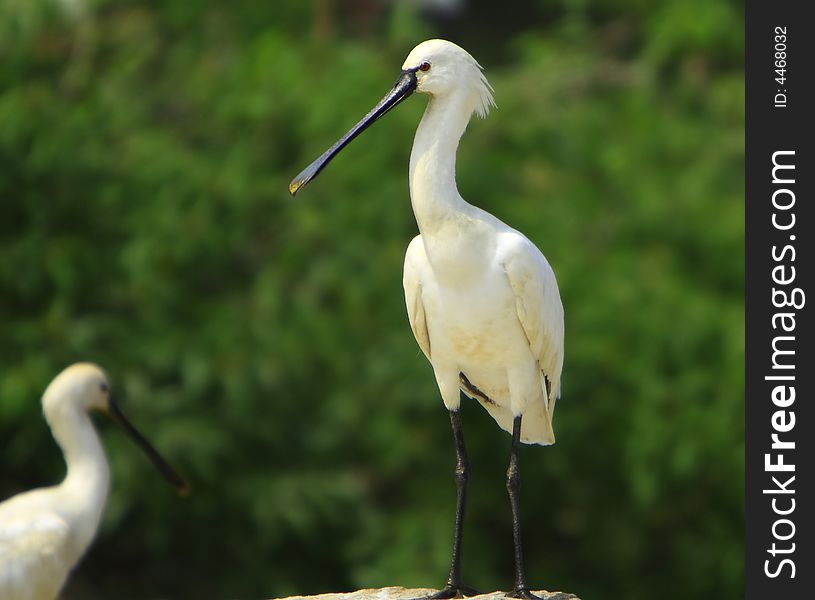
158, 461
404, 87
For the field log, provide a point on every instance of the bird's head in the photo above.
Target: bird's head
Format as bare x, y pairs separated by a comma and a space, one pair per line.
435, 67
84, 387
443, 68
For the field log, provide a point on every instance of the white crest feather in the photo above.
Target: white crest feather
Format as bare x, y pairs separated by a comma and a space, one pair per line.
485, 91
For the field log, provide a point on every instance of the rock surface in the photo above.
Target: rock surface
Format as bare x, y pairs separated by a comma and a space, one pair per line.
400, 593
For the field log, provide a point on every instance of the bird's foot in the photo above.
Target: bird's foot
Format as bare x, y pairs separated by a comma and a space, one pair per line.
453, 591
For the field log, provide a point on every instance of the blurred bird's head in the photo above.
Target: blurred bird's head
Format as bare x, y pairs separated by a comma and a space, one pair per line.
84, 387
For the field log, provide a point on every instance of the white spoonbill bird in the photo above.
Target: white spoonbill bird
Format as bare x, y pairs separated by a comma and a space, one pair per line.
482, 300
44, 532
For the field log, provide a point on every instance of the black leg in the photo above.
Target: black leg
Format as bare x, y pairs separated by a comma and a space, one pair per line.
514, 488
454, 587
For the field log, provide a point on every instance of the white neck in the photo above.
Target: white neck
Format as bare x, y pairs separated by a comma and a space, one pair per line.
433, 191
458, 238
83, 492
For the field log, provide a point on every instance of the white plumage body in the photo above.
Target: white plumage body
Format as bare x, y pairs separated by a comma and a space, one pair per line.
38, 546
482, 300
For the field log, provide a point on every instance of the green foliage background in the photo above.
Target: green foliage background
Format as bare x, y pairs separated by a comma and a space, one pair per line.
262, 342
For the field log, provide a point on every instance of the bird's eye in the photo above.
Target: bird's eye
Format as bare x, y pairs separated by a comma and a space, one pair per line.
104, 387
425, 66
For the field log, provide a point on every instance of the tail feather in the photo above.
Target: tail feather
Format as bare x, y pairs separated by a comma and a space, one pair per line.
536, 425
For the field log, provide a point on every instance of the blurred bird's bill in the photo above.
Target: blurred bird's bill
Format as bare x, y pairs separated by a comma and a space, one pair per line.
169, 473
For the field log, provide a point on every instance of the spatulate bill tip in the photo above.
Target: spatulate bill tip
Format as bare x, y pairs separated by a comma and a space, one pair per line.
299, 182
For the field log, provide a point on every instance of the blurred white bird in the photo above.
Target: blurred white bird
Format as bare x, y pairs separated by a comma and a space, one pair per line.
44, 532
482, 300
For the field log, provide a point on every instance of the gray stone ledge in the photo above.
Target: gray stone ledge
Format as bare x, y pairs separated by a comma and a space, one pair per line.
400, 593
